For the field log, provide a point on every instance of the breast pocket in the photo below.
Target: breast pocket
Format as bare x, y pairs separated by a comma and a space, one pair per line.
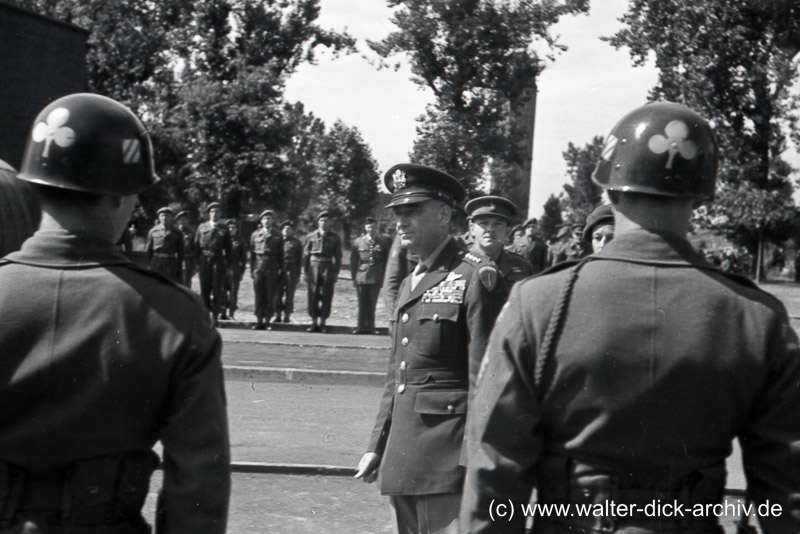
441, 402
438, 331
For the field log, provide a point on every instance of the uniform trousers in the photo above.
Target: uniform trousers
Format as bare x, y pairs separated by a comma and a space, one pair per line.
426, 514
288, 287
188, 271
321, 279
367, 302
168, 266
234, 278
266, 279
212, 282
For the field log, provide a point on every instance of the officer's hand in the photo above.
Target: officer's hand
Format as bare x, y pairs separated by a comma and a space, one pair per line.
368, 467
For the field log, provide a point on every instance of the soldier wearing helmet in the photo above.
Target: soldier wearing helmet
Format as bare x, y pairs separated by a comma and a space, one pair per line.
624, 377
164, 246
102, 358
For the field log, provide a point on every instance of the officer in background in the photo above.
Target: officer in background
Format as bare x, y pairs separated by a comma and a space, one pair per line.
102, 358
164, 247
290, 270
322, 260
599, 229
236, 268
367, 264
489, 219
625, 377
444, 312
189, 251
266, 252
213, 244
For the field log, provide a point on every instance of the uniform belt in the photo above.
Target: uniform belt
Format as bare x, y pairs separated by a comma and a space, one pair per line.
171, 255
426, 376
211, 254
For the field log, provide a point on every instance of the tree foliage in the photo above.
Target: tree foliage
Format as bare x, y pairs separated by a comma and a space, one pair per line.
478, 59
551, 220
582, 195
734, 62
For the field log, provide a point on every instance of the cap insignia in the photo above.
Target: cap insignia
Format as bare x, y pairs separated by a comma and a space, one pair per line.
54, 131
399, 179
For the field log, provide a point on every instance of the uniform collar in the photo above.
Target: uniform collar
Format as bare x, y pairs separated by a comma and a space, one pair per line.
430, 263
652, 247
61, 248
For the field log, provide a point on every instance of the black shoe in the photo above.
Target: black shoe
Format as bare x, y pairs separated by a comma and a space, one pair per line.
230, 315
258, 326
223, 317
357, 331
286, 319
313, 328
323, 328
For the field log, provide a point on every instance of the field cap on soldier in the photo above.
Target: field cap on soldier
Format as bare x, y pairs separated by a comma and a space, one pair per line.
410, 183
180, 214
600, 216
491, 205
324, 213
265, 213
213, 205
530, 222
288, 223
90, 143
165, 209
663, 149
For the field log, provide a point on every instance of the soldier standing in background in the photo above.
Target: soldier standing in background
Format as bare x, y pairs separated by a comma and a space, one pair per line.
266, 251
189, 250
445, 310
290, 269
489, 218
102, 358
322, 259
367, 264
165, 248
535, 250
625, 377
236, 268
213, 244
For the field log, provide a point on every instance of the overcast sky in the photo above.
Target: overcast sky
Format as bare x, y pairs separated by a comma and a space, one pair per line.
582, 94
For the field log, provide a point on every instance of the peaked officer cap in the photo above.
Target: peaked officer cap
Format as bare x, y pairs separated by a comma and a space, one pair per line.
411, 184
491, 205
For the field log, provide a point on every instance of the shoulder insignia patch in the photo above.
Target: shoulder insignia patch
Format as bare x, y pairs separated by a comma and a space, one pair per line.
488, 276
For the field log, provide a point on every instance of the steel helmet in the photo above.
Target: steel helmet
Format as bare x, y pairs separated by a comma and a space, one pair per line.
90, 143
660, 149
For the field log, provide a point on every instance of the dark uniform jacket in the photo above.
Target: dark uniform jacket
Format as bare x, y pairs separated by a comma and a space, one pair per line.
368, 260
269, 244
213, 241
661, 362
161, 240
292, 255
442, 326
101, 358
238, 261
512, 267
327, 248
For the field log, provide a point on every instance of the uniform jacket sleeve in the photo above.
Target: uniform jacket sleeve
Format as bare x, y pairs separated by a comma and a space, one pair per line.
771, 438
501, 439
149, 247
483, 306
194, 434
355, 257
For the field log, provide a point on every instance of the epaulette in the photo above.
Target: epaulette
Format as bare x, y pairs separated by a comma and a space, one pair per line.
472, 258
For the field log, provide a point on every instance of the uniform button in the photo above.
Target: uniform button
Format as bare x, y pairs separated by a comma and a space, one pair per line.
435, 316
404, 318
401, 388
404, 341
451, 408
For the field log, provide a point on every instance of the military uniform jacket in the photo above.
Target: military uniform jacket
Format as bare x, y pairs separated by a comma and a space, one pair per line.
368, 260
662, 361
238, 256
213, 239
267, 243
327, 247
103, 358
512, 267
163, 240
442, 326
188, 241
292, 254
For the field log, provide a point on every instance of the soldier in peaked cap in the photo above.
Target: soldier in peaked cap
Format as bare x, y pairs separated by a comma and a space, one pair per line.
165, 247
367, 264
322, 260
586, 357
189, 252
489, 219
213, 244
444, 312
101, 358
290, 270
266, 255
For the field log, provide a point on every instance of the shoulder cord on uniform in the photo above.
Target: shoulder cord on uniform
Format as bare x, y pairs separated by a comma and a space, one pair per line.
550, 340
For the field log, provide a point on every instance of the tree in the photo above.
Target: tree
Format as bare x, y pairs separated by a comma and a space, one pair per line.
477, 58
582, 194
551, 220
734, 63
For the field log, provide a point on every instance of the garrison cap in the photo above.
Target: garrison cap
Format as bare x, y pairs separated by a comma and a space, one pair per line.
165, 209
232, 222
324, 213
265, 213
180, 214
491, 205
600, 216
213, 205
288, 223
411, 184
